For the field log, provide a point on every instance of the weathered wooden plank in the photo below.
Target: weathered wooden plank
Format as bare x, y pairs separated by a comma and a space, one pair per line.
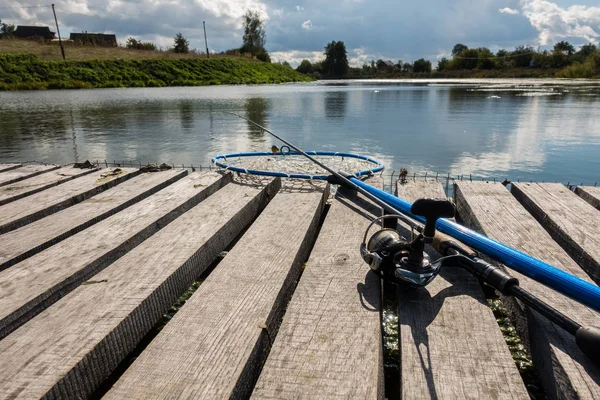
31, 208
449, 323
22, 243
215, 345
329, 343
67, 350
570, 220
12, 174
8, 167
30, 186
565, 372
591, 194
32, 285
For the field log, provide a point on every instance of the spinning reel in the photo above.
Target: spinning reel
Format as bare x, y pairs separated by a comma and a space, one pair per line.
403, 261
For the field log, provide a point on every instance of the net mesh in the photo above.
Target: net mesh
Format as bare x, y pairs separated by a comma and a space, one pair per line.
293, 165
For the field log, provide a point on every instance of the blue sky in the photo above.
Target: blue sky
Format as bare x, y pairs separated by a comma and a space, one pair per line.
298, 29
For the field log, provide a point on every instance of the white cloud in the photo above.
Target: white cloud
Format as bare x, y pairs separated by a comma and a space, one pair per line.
295, 57
299, 8
553, 22
507, 10
307, 25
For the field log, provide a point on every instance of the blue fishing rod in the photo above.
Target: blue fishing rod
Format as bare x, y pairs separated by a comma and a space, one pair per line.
401, 261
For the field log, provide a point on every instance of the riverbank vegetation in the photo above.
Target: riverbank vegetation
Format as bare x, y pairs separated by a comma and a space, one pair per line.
563, 61
27, 71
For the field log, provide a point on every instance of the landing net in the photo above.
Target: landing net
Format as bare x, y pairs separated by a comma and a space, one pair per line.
292, 164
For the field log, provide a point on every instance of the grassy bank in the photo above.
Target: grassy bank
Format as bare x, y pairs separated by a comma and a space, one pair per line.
45, 50
27, 71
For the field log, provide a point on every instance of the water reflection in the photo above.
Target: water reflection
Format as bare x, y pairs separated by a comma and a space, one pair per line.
256, 110
335, 104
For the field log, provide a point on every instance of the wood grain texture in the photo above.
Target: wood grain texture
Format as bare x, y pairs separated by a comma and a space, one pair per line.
215, 345
591, 194
329, 344
450, 344
31, 208
32, 285
8, 167
70, 348
570, 220
22, 243
565, 371
48, 179
10, 174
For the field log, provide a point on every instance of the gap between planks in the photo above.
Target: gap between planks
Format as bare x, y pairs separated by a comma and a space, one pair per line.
591, 194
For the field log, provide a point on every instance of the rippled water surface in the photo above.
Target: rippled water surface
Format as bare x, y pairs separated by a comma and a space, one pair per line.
524, 129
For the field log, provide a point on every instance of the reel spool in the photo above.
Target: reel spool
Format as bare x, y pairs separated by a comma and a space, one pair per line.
399, 260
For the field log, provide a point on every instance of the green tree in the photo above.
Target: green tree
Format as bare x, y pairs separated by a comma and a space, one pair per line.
458, 48
522, 56
443, 64
133, 43
466, 59
502, 59
422, 65
407, 67
587, 49
6, 30
305, 67
286, 64
564, 47
485, 58
254, 38
336, 59
181, 44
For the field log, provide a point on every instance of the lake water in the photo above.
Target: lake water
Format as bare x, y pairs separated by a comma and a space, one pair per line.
517, 129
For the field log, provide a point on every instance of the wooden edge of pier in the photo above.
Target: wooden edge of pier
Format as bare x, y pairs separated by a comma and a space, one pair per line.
591, 194
564, 370
436, 334
570, 220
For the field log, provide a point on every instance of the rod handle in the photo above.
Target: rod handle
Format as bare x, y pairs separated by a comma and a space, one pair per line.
588, 340
442, 243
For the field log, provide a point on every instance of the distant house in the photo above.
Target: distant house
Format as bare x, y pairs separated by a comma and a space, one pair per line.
385, 65
34, 32
98, 39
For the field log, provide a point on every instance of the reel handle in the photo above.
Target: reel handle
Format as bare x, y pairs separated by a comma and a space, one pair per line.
432, 209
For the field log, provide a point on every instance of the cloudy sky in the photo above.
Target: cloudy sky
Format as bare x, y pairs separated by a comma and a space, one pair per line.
297, 29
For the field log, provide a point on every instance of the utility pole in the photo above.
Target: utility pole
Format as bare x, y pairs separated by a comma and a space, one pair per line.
62, 49
205, 41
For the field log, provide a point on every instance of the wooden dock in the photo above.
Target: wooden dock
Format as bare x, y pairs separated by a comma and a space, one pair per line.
92, 259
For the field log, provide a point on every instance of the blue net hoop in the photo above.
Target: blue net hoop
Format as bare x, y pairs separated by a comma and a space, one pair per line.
221, 162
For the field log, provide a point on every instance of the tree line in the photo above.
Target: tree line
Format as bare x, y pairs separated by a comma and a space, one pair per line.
584, 62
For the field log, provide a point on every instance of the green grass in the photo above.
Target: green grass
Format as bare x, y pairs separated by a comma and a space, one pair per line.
23, 71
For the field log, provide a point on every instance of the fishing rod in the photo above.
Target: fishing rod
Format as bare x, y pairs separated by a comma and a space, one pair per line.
577, 289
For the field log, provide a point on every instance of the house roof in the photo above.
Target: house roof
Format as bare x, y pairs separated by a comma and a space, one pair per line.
387, 63
33, 31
